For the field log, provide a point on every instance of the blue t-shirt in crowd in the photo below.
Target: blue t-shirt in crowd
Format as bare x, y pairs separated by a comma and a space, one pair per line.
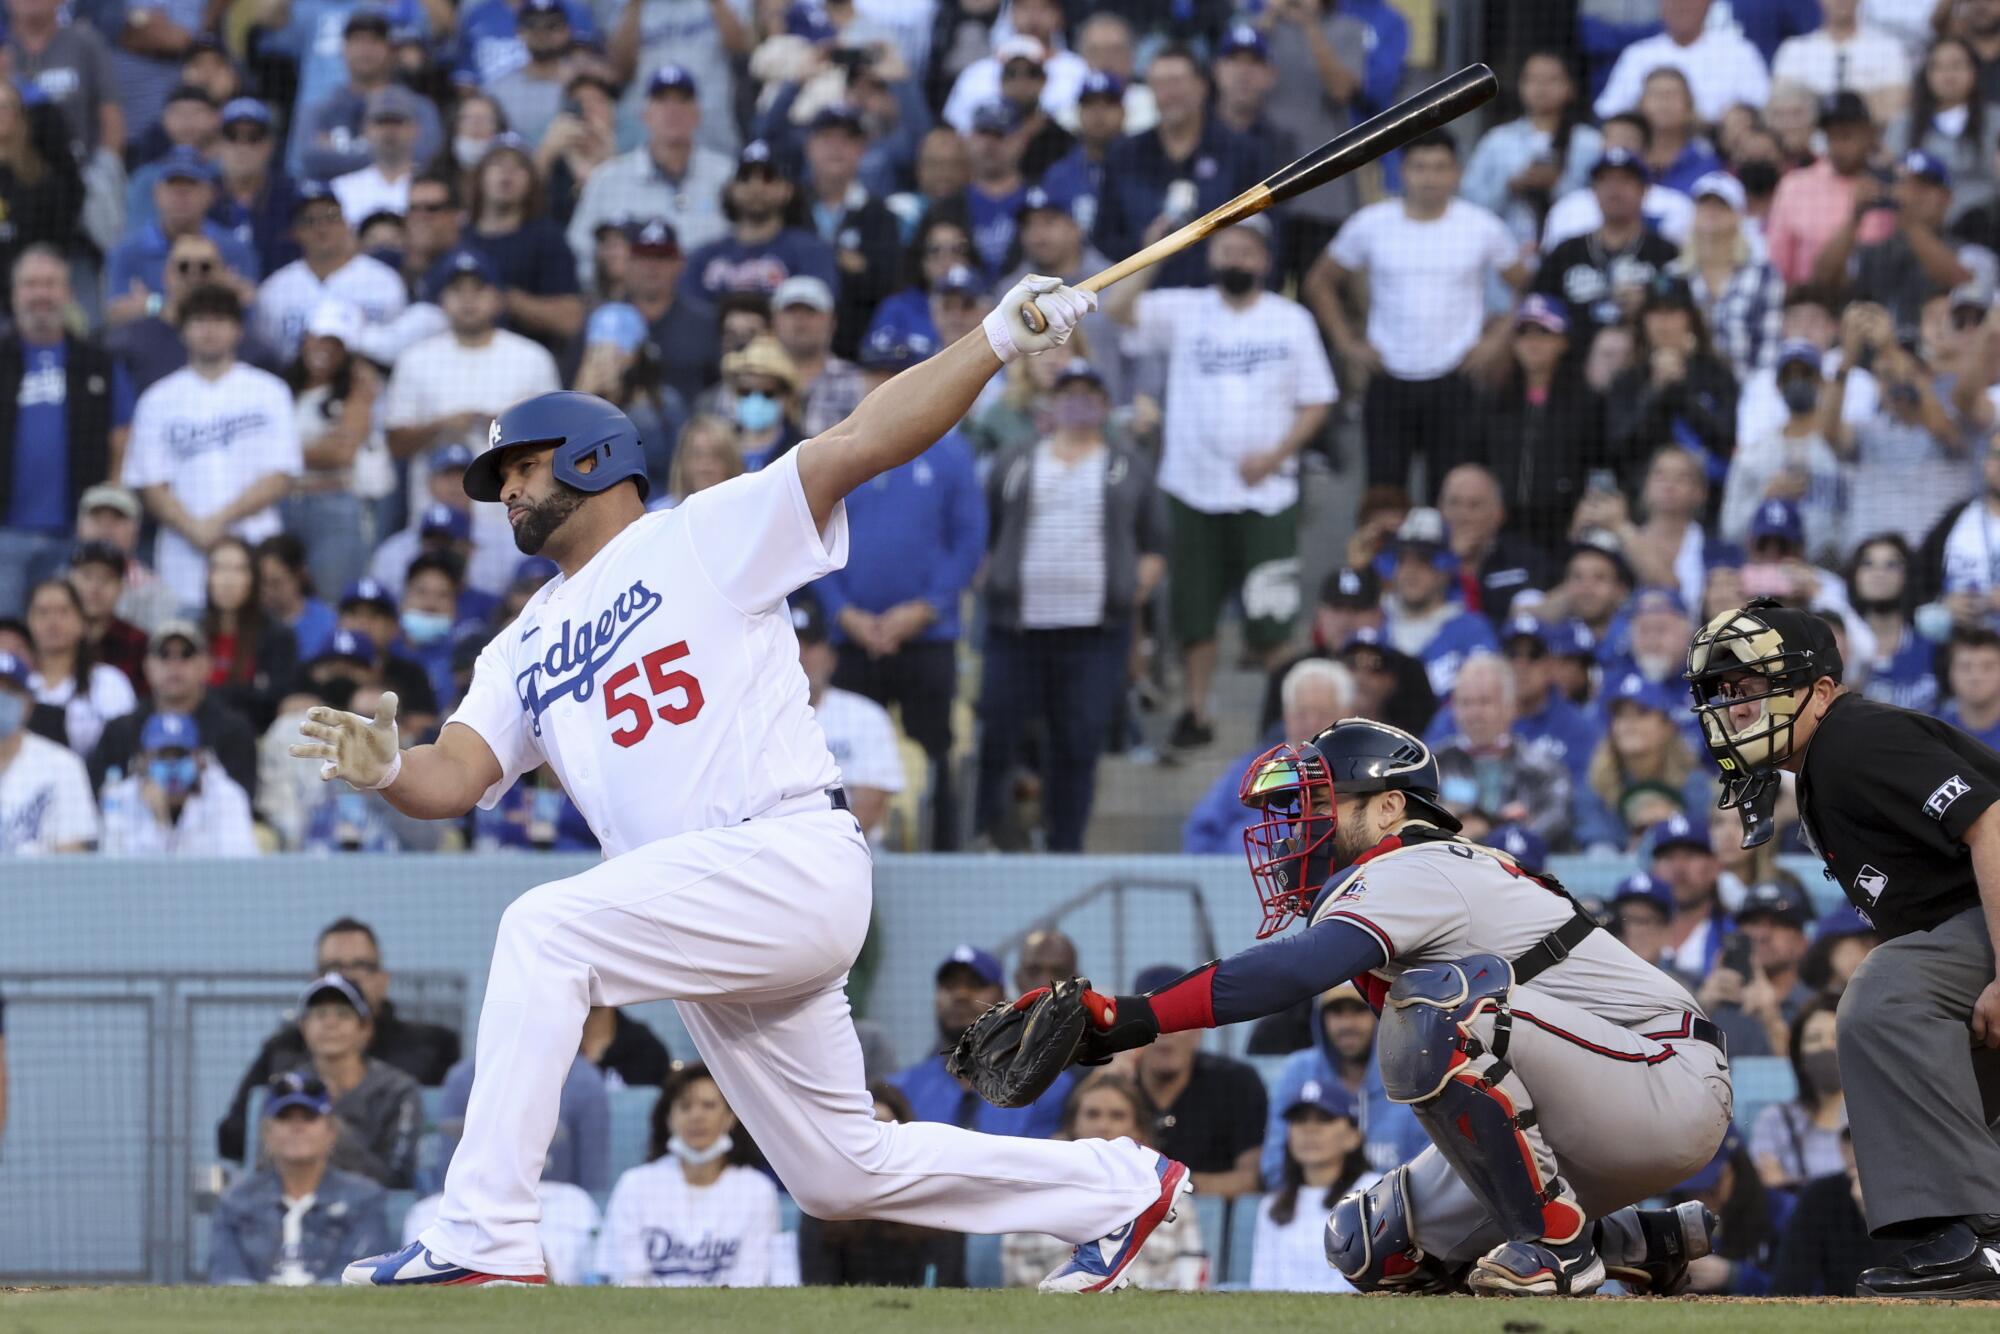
914, 532
40, 500
1990, 736
313, 628
1456, 640
264, 225
317, 37
936, 1095
727, 265
535, 259
1076, 178
908, 312
489, 42
1906, 679
994, 226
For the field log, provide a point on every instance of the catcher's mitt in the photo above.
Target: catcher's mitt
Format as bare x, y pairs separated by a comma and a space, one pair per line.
1014, 1051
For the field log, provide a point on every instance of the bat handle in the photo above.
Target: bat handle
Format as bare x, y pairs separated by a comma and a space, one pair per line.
1031, 315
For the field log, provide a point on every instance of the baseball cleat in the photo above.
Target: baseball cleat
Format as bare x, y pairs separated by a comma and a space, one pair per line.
1673, 1238
1099, 1266
416, 1266
1958, 1262
1537, 1269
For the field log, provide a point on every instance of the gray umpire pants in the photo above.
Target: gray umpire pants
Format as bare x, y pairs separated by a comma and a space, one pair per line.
1921, 1097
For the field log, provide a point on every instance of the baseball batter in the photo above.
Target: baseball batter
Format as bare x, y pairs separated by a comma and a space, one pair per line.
659, 677
1561, 1078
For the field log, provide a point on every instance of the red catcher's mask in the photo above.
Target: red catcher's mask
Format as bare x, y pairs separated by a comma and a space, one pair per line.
1290, 850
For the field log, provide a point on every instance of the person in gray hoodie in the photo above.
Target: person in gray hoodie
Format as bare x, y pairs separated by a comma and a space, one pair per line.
377, 1108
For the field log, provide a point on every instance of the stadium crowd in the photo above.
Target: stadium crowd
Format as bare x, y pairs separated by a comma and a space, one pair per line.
1707, 311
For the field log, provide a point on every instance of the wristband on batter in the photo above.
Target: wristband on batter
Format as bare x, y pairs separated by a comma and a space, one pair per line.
389, 775
999, 337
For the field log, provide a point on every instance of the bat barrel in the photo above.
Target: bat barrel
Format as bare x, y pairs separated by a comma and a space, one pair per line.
1434, 107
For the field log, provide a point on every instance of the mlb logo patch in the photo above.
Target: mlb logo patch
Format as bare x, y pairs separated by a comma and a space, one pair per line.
1950, 790
1870, 882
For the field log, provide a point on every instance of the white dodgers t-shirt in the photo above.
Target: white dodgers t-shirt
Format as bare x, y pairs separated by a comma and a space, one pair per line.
441, 376
667, 667
862, 739
45, 800
660, 1232
208, 440
1426, 281
286, 299
1235, 380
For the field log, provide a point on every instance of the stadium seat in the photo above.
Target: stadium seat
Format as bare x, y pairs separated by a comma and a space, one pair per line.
1211, 1215
1760, 1081
982, 1262
1241, 1238
631, 1113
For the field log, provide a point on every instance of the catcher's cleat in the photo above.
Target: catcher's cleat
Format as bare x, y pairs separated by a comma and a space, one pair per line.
1673, 1237
415, 1266
1537, 1269
1099, 1266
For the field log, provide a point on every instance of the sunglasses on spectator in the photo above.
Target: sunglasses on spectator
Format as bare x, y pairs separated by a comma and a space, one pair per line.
426, 206
351, 968
174, 654
194, 268
252, 134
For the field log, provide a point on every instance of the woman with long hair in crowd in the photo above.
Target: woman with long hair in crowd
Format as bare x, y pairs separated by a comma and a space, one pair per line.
1676, 389
1793, 1142
1643, 750
1325, 1158
285, 583
692, 1215
1518, 168
706, 455
254, 656
507, 221
40, 188
1882, 590
944, 239
476, 121
1107, 1105
334, 503
1739, 295
1676, 154
1950, 120
1541, 429
66, 672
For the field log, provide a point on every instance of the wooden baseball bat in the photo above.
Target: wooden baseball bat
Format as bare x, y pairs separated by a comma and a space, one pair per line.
1439, 104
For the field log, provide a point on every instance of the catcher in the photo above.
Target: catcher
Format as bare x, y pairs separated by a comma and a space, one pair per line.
1561, 1078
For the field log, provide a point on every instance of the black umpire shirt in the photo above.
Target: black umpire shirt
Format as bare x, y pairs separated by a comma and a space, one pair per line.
1887, 795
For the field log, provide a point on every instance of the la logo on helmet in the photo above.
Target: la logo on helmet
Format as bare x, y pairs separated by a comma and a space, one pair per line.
493, 434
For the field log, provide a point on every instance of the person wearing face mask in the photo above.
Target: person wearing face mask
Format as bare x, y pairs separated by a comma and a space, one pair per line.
1793, 1142
1078, 540
764, 383
1791, 463
693, 1215
429, 618
1881, 591
45, 801
176, 801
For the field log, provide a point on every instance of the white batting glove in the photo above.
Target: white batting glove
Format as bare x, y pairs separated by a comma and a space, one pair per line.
364, 751
1061, 307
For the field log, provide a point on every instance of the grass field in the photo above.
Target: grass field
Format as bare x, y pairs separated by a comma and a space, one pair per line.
880, 1311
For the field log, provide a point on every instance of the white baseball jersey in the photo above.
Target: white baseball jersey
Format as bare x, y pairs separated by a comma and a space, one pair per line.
1432, 902
214, 822
45, 801
286, 299
661, 1232
662, 681
209, 440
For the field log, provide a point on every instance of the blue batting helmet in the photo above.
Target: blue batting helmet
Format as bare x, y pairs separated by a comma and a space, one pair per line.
580, 426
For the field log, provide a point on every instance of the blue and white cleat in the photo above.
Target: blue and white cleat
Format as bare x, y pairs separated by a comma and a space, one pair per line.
415, 1266
1099, 1266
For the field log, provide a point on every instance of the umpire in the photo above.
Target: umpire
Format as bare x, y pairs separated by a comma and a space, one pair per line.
1902, 809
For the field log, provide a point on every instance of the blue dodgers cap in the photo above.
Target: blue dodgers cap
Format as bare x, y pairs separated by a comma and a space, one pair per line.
1039, 199
170, 731
1521, 843
186, 164
1710, 1174
995, 117
336, 987
837, 116
981, 963
889, 349
351, 645
1352, 588
671, 79
312, 192
1781, 897
1799, 352
1570, 639
367, 18
756, 155
1650, 600
1243, 38
245, 111
1524, 626
13, 671
461, 263
1633, 688
367, 592
1678, 831
539, 569
1101, 83
616, 323
1326, 1095
808, 19
1077, 370
1780, 519
1543, 312
1925, 166
1647, 887
959, 280
297, 1088
455, 456
442, 518
544, 7
1620, 159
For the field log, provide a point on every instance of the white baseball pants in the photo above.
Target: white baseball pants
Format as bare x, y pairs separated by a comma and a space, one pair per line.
751, 928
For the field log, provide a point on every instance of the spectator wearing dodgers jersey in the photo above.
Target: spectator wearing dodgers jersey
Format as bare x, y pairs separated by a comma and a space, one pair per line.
858, 730
1248, 387
45, 801
331, 266
214, 445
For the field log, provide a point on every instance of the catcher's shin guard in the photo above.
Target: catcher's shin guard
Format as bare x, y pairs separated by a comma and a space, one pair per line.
1368, 1239
1468, 1098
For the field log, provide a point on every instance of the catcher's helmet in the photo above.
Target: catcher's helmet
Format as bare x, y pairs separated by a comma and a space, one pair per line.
580, 426
1761, 654
1291, 849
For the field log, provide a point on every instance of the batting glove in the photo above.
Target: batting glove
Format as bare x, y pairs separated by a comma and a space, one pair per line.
364, 751
1061, 309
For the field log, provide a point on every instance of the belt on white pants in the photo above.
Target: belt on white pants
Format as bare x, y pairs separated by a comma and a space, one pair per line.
833, 798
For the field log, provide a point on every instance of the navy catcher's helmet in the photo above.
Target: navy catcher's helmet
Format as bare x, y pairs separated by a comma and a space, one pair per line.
580, 426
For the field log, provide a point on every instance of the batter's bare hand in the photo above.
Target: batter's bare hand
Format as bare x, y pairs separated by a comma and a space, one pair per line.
1986, 1015
364, 751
